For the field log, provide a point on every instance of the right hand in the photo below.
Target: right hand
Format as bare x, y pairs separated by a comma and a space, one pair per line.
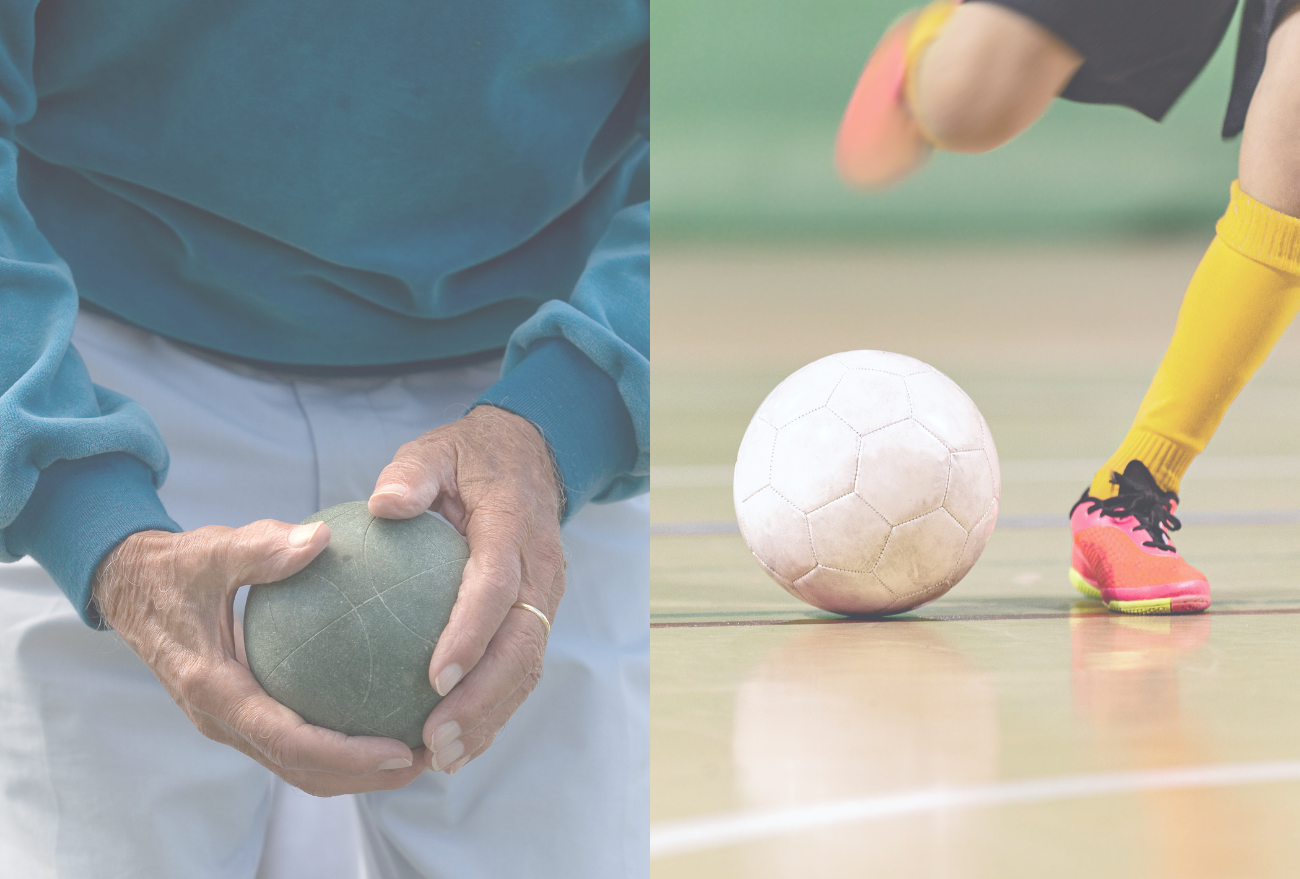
171, 598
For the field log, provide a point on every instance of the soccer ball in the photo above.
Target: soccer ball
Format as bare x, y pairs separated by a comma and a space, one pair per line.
867, 483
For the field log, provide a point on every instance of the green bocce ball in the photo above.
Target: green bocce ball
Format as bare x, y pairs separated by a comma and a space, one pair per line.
346, 642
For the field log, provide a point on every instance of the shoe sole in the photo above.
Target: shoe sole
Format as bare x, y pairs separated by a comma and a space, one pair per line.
1179, 604
1078, 582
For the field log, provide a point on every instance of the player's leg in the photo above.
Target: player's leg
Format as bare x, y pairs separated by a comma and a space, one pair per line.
1244, 294
969, 77
987, 75
963, 77
1269, 163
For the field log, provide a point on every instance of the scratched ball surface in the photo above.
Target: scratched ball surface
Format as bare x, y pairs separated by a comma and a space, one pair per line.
867, 483
346, 642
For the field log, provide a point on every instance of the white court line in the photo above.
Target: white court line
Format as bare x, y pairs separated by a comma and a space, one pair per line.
681, 837
1027, 471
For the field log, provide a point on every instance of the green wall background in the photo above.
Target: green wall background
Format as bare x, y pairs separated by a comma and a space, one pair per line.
746, 98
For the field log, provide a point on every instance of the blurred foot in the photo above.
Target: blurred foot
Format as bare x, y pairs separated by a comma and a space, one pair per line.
1122, 554
880, 141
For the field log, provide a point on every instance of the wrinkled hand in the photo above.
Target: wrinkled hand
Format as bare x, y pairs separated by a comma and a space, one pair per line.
170, 597
491, 475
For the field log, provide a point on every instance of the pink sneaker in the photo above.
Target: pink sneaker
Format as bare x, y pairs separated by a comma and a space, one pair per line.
879, 142
1122, 554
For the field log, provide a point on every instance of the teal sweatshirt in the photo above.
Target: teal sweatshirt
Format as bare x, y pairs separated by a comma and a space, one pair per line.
341, 183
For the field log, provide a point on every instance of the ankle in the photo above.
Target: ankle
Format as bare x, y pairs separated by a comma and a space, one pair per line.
1165, 459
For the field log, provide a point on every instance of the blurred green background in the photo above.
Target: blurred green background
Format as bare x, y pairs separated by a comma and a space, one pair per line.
746, 99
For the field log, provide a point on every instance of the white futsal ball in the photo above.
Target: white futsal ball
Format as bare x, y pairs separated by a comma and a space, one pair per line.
867, 483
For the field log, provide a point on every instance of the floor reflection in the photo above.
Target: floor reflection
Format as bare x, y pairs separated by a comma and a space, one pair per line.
1126, 674
852, 710
1125, 668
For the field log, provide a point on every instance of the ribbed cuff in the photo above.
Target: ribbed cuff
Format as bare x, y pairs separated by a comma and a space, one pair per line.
1166, 460
1255, 230
78, 512
579, 411
929, 21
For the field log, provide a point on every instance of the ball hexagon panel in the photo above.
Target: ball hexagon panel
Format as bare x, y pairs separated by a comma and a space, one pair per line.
975, 541
777, 534
970, 489
847, 534
882, 361
902, 471
920, 596
991, 453
814, 460
921, 553
843, 591
945, 410
802, 392
844, 447
754, 460
870, 400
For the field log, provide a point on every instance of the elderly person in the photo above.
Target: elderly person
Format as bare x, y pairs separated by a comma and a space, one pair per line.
262, 258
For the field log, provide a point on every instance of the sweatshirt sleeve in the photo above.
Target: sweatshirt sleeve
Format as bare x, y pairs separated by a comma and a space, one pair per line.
79, 464
580, 369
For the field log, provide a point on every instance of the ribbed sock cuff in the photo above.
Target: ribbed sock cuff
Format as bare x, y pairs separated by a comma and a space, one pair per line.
1258, 232
928, 23
1166, 460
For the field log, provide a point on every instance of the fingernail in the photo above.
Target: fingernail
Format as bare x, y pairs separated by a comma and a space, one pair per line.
302, 535
444, 735
448, 678
458, 766
395, 763
449, 755
394, 490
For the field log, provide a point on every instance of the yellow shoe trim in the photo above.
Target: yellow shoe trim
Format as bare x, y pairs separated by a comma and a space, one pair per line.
1147, 605
1077, 581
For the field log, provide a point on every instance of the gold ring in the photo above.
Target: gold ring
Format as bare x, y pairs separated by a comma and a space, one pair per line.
535, 612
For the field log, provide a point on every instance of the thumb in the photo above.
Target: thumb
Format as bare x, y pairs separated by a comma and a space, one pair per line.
266, 551
412, 482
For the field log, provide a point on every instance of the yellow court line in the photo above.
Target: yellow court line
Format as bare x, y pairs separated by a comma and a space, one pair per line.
669, 838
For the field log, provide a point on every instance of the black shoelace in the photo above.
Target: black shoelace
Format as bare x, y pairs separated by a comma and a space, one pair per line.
1141, 498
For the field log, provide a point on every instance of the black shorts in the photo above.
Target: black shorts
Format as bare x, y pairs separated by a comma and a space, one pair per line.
1145, 53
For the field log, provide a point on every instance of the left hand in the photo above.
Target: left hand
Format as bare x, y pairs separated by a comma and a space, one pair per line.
491, 475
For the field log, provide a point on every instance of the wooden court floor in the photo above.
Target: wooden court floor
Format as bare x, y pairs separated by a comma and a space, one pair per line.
1011, 728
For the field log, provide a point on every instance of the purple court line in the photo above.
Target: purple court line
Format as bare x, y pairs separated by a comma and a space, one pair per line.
1014, 522
955, 618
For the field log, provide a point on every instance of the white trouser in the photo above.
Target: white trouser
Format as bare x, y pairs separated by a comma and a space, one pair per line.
102, 776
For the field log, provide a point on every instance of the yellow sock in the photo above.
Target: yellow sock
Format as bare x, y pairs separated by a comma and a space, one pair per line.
1243, 296
928, 23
